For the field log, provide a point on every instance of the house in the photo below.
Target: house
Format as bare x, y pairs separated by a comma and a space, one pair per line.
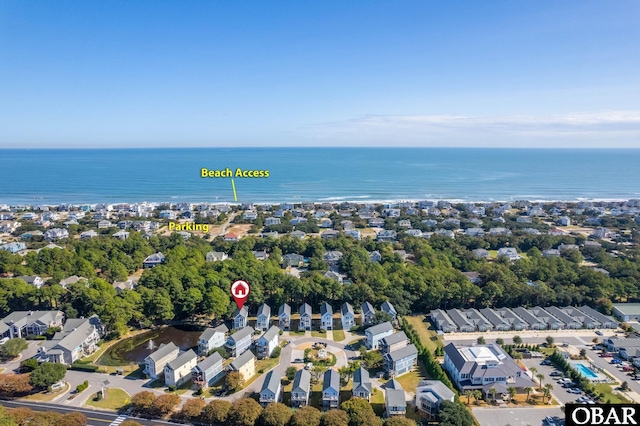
376, 222
121, 235
245, 364
268, 342
347, 316
497, 321
284, 317
301, 390
241, 318
387, 235
155, 362
292, 259
208, 371
33, 280
376, 333
442, 321
429, 397
56, 234
330, 234
394, 399
104, 224
20, 324
361, 384
368, 313
14, 248
78, 338
178, 371
400, 361
271, 389
551, 253
480, 366
87, 235
240, 341
533, 322
305, 317
602, 321
272, 221
260, 254
215, 256
330, 389
212, 338
332, 257
509, 252
298, 234
168, 214
474, 232
263, 318
334, 276
153, 260
122, 285
480, 253
388, 308
250, 215
326, 317
375, 256
231, 237
72, 280
393, 342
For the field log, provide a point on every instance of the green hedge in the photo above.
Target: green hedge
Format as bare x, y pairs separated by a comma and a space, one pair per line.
84, 367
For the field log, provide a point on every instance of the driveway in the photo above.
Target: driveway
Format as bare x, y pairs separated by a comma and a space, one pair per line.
31, 351
515, 416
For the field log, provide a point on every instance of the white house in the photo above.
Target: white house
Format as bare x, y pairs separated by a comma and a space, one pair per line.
240, 318
376, 333
263, 318
155, 362
305, 317
347, 316
212, 338
268, 342
178, 371
326, 316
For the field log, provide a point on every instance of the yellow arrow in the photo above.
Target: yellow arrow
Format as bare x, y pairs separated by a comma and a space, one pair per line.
233, 185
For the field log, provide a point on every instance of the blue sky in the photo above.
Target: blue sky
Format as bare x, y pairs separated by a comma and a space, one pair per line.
320, 73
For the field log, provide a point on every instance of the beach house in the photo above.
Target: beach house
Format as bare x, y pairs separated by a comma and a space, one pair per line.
212, 338
178, 371
155, 362
208, 371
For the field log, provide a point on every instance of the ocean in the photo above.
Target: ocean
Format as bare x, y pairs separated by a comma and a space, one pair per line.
317, 174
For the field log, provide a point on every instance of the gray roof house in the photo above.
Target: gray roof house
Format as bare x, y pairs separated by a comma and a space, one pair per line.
263, 319
153, 260
305, 317
400, 361
429, 396
155, 362
361, 384
268, 342
240, 341
284, 317
271, 389
473, 367
347, 316
24, 323
499, 323
569, 322
79, 338
292, 259
208, 371
389, 309
178, 371
604, 320
376, 333
512, 318
331, 390
442, 321
393, 342
326, 316
394, 399
460, 319
368, 313
301, 390
241, 318
212, 338
549, 319
529, 318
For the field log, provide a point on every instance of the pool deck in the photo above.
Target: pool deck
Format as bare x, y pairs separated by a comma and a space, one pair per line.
599, 377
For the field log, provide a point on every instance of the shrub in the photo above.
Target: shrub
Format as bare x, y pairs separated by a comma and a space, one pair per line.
276, 352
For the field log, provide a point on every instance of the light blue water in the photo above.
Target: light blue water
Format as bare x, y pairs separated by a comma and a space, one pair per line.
585, 371
317, 174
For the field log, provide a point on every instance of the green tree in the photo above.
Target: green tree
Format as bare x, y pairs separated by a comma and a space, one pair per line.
215, 302
549, 340
335, 417
275, 414
481, 340
306, 416
454, 414
371, 359
47, 374
399, 421
360, 413
500, 341
28, 365
243, 412
291, 373
13, 348
517, 340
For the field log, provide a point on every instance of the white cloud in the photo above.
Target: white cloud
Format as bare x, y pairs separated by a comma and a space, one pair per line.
580, 129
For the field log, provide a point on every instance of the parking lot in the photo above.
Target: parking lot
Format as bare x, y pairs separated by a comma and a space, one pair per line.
560, 393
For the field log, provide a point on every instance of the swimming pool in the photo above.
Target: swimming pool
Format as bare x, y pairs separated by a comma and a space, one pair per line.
585, 371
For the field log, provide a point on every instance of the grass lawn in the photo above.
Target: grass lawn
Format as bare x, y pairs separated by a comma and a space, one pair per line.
46, 396
427, 333
266, 364
320, 334
116, 399
377, 401
609, 396
356, 344
296, 333
409, 381
338, 335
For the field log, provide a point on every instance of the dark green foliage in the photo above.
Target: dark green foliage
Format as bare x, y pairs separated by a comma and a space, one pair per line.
47, 374
455, 414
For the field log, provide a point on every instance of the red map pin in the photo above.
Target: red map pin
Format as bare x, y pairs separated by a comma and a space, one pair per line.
240, 291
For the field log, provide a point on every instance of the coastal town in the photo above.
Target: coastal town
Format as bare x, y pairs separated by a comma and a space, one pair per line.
399, 313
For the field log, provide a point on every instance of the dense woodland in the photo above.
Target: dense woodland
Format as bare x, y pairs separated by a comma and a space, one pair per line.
186, 285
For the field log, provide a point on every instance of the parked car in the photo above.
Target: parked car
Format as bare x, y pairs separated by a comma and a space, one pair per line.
556, 373
599, 333
606, 355
546, 362
628, 368
298, 361
550, 421
616, 361
574, 390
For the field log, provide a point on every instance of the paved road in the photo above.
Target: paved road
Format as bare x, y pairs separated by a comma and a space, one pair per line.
515, 416
94, 417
